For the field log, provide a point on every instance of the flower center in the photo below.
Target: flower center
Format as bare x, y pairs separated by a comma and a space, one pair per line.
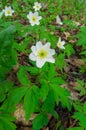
59, 44
34, 18
42, 53
8, 11
37, 6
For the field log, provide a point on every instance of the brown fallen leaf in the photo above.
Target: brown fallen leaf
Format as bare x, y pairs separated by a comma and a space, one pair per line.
67, 34
20, 116
75, 61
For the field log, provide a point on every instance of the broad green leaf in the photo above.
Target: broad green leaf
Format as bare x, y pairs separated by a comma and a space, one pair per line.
31, 101
81, 117
61, 94
23, 76
5, 86
33, 70
58, 81
16, 95
6, 43
49, 103
7, 122
40, 121
44, 91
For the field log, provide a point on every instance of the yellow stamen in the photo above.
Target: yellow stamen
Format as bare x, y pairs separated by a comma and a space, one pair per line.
34, 19
42, 53
8, 11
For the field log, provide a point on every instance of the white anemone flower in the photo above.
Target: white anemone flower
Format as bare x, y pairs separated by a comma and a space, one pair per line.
37, 6
8, 11
41, 54
58, 20
34, 18
61, 44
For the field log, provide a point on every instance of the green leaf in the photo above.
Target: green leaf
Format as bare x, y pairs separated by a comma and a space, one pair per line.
6, 36
16, 95
60, 61
31, 101
83, 53
14, 57
5, 87
84, 108
6, 43
49, 103
23, 76
33, 70
40, 121
1, 126
69, 50
44, 91
76, 128
82, 37
58, 81
49, 37
62, 95
6, 122
81, 118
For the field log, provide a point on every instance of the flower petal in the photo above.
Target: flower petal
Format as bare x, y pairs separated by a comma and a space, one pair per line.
40, 62
47, 45
29, 15
37, 23
51, 52
62, 47
63, 42
40, 17
32, 57
51, 59
33, 48
59, 39
58, 20
39, 45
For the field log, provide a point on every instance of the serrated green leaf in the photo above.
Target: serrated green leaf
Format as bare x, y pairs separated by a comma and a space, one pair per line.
16, 95
31, 101
33, 70
40, 121
49, 103
69, 50
6, 43
60, 61
6, 122
22, 76
82, 37
62, 95
44, 91
81, 118
58, 81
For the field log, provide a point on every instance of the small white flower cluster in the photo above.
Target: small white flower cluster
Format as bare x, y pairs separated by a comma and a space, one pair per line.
34, 17
7, 11
42, 53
